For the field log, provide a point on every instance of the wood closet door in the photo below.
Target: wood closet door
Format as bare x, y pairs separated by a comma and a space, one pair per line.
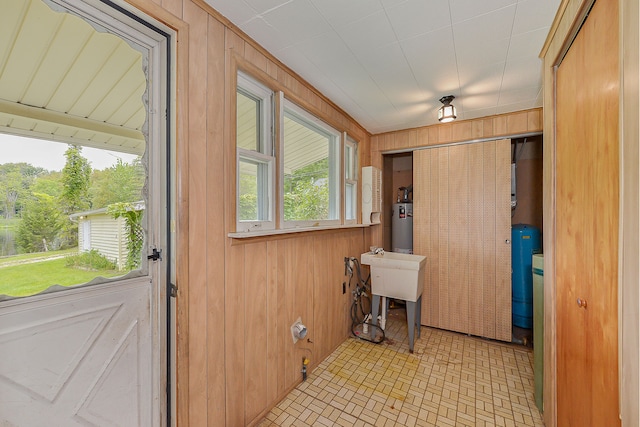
462, 224
587, 205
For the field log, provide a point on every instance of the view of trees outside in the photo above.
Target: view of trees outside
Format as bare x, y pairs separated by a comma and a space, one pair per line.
248, 192
41, 201
306, 192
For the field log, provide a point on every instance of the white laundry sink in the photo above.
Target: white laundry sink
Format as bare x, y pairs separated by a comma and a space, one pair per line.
396, 275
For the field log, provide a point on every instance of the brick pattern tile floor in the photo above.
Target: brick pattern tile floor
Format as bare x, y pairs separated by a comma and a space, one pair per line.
451, 379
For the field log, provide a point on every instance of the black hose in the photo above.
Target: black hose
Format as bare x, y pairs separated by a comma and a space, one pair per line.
360, 291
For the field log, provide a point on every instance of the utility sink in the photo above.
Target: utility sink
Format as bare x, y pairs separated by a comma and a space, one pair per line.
396, 275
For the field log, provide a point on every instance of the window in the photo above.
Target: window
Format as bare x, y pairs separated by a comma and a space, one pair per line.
317, 166
255, 165
350, 180
310, 170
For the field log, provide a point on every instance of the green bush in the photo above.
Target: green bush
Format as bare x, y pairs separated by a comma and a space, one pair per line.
92, 260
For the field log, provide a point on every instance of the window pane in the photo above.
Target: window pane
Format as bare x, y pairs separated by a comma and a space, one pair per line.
350, 201
308, 181
348, 162
252, 198
248, 122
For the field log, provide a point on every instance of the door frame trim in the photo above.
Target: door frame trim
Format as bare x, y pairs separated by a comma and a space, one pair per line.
135, 26
569, 19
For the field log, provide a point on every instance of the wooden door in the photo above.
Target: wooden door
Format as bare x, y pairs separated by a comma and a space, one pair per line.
462, 224
587, 223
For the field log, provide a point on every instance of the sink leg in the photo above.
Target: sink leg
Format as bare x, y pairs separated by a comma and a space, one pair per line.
375, 306
419, 315
411, 322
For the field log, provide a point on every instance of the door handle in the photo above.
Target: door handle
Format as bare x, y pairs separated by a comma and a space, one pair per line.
582, 303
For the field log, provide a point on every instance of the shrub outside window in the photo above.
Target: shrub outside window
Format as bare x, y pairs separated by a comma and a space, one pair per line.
310, 170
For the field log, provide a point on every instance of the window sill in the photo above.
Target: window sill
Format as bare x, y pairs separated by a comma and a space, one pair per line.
262, 233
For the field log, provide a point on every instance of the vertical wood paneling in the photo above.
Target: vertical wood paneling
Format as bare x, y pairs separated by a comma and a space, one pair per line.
234, 42
294, 290
517, 122
234, 339
461, 216
322, 310
421, 220
458, 259
434, 237
434, 135
284, 336
462, 131
445, 133
444, 318
272, 325
476, 244
502, 125
252, 55
488, 128
256, 330
502, 235
489, 239
215, 237
198, 382
422, 138
175, 7
477, 129
534, 119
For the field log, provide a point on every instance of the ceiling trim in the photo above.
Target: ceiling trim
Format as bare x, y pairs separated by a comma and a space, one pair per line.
55, 118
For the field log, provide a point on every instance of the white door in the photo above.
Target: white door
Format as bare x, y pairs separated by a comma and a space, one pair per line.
92, 354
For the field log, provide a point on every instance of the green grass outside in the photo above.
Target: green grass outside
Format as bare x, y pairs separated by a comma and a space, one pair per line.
32, 278
22, 257
9, 223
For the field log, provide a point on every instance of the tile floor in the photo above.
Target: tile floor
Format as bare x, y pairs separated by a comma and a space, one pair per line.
451, 379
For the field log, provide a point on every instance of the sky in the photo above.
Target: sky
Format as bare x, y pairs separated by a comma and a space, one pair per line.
50, 155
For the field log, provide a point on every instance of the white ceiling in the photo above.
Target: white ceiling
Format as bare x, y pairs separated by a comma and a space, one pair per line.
388, 62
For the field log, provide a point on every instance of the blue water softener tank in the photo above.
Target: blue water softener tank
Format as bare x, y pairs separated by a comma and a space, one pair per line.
525, 242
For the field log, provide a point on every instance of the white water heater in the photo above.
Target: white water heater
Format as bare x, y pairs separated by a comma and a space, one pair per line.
402, 228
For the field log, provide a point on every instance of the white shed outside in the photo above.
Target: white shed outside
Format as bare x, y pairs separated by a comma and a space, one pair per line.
100, 231
97, 229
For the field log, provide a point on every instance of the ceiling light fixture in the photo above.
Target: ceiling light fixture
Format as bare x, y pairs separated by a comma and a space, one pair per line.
447, 113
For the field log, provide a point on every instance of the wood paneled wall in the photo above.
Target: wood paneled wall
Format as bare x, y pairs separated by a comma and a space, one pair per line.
270, 284
237, 298
502, 125
461, 223
494, 127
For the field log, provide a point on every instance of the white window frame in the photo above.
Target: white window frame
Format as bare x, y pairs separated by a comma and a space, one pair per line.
264, 156
350, 179
335, 166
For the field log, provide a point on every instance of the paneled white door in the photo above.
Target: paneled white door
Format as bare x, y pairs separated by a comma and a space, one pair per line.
80, 357
95, 354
